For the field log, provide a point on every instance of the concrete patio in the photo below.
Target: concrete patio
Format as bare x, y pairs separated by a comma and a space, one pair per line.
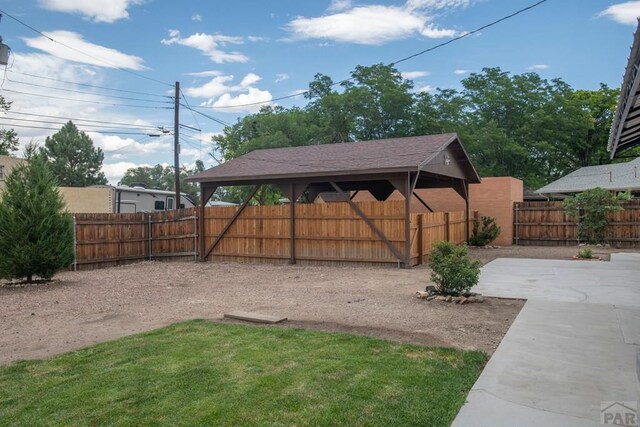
573, 346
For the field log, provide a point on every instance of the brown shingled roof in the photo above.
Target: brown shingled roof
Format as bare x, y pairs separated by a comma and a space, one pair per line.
365, 157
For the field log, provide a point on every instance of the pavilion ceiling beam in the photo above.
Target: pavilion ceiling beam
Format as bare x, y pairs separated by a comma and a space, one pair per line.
230, 222
396, 252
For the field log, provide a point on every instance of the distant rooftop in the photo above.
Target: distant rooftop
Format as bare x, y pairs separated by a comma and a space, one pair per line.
618, 176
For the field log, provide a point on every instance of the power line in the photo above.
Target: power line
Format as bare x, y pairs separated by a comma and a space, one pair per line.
406, 58
57, 129
84, 53
219, 121
83, 120
62, 124
86, 100
89, 85
89, 93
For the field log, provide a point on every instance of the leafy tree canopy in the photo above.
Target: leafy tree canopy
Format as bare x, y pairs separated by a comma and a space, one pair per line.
8, 137
512, 125
72, 158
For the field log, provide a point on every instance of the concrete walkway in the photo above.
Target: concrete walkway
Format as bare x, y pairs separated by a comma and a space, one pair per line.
573, 345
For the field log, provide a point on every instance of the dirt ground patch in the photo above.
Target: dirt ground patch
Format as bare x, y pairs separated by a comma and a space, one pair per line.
83, 308
540, 252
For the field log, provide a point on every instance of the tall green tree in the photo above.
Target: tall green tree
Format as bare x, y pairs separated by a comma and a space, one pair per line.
161, 177
8, 137
36, 235
73, 159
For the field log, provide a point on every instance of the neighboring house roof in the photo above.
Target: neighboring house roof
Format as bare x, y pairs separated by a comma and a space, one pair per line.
625, 130
342, 159
618, 176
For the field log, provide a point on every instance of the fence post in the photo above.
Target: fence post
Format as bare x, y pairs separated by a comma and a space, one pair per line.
195, 234
75, 245
516, 217
419, 237
447, 234
150, 239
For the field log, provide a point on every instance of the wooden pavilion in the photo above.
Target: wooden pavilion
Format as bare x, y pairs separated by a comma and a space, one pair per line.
380, 167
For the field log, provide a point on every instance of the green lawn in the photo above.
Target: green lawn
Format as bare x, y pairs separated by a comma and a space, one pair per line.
203, 373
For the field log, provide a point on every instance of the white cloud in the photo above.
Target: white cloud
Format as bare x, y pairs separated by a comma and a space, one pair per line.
237, 103
624, 13
280, 77
96, 10
106, 57
537, 67
209, 44
112, 144
410, 75
196, 17
297, 92
339, 5
375, 24
211, 73
257, 38
460, 72
222, 93
436, 4
425, 88
432, 32
115, 171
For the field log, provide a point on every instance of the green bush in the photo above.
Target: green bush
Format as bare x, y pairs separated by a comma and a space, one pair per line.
590, 208
482, 236
36, 236
452, 269
585, 253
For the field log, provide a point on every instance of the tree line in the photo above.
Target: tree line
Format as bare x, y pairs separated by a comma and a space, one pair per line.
519, 125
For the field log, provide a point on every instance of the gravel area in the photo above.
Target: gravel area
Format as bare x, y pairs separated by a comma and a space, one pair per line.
79, 309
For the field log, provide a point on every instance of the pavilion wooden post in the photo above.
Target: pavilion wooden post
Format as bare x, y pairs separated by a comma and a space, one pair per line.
408, 190
205, 194
292, 224
231, 221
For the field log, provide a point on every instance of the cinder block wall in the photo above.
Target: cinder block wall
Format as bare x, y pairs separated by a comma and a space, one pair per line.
493, 197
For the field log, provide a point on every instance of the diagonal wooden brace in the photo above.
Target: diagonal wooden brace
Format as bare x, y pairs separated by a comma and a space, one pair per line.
230, 222
371, 225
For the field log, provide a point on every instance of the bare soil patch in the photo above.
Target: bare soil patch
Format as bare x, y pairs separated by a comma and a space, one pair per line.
82, 308
541, 252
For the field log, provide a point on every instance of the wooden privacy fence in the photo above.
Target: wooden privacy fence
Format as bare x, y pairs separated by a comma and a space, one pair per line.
546, 224
327, 233
102, 240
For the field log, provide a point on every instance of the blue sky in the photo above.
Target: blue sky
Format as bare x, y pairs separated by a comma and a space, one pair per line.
228, 53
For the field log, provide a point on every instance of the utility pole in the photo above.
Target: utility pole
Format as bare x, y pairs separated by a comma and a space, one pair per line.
176, 144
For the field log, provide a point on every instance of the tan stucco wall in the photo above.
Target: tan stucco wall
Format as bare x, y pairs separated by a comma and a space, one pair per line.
87, 199
7, 163
493, 197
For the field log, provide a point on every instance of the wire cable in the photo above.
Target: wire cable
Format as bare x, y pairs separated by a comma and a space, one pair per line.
57, 129
89, 85
85, 100
84, 53
75, 120
79, 124
88, 93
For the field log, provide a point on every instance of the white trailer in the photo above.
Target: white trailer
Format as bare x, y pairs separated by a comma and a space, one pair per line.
120, 199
